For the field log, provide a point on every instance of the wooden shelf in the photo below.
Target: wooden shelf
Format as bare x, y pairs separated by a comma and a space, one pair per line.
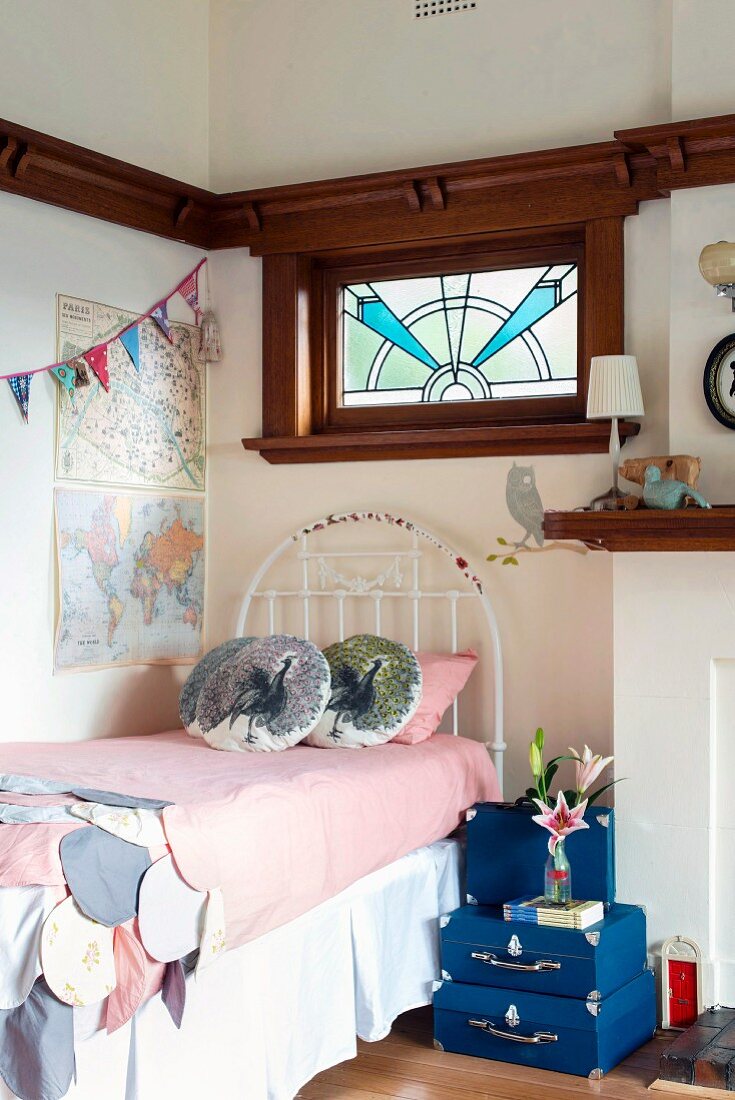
583, 437
645, 529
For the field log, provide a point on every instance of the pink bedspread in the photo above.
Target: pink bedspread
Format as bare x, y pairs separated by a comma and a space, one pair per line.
278, 832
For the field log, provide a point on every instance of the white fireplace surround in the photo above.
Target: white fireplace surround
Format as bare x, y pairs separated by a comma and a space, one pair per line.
674, 622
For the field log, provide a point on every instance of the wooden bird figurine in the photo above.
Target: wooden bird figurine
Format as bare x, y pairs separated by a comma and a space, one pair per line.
668, 494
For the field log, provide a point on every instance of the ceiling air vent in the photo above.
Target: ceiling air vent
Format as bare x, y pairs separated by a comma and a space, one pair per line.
423, 8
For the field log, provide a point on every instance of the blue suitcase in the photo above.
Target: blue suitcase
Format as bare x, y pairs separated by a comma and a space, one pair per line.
506, 854
479, 947
585, 1038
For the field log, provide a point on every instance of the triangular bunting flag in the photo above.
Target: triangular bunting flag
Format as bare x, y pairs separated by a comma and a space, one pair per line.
20, 384
97, 360
160, 316
130, 340
189, 292
66, 374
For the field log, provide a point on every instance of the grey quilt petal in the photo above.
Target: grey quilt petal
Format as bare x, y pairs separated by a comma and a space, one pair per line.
103, 873
33, 815
112, 798
37, 1046
173, 991
30, 784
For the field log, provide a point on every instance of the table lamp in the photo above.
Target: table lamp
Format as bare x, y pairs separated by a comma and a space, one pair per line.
614, 391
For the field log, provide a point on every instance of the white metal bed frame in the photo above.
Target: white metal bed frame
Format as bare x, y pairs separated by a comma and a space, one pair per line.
331, 584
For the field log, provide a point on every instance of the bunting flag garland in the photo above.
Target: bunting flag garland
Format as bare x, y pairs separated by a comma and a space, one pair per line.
74, 373
97, 360
20, 384
130, 340
66, 374
189, 291
160, 316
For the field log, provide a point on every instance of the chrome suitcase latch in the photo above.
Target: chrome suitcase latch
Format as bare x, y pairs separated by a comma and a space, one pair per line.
515, 948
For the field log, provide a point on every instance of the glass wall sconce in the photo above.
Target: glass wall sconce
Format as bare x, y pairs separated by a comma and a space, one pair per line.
717, 266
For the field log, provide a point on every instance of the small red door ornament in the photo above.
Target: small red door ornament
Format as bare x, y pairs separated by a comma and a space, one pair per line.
681, 982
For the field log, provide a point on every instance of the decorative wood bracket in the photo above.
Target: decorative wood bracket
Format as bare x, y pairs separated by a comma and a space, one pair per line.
10, 146
622, 169
677, 160
20, 162
412, 195
252, 216
15, 158
183, 210
435, 194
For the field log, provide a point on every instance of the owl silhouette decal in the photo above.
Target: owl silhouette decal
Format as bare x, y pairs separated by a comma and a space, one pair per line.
524, 503
525, 506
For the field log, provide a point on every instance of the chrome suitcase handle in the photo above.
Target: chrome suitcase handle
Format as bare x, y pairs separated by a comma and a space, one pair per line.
493, 960
537, 1037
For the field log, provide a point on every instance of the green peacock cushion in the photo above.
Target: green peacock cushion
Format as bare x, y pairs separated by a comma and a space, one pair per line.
376, 689
266, 697
190, 692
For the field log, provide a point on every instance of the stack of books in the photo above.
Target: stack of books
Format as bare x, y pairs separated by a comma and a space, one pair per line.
565, 914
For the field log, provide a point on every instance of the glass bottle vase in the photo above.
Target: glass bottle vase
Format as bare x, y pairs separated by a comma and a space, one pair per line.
558, 876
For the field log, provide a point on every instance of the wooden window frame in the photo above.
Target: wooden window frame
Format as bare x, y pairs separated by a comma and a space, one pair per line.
302, 419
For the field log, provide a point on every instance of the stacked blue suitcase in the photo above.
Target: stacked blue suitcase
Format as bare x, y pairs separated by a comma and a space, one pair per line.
552, 998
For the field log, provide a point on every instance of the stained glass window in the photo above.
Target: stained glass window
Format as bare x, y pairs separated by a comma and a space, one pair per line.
482, 336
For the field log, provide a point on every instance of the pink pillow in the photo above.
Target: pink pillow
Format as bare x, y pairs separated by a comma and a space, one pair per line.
445, 674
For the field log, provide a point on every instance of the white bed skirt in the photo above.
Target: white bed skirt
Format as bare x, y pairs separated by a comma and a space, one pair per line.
269, 1016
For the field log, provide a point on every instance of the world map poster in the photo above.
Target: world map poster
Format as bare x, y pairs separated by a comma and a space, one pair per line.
131, 579
149, 430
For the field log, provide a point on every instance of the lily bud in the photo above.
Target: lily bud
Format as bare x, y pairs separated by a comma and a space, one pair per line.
539, 739
534, 756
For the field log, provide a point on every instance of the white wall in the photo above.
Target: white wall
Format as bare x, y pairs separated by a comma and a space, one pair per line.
129, 80
306, 89
43, 251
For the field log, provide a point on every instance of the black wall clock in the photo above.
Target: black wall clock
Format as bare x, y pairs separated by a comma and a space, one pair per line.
719, 381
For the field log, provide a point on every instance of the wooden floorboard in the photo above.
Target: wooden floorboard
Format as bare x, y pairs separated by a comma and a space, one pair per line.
405, 1066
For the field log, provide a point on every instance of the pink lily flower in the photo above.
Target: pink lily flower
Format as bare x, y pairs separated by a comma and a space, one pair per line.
588, 767
561, 821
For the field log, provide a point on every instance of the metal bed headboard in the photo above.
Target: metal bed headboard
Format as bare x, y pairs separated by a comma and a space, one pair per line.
344, 590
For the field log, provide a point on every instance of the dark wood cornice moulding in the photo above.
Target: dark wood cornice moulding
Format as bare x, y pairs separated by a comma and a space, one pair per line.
644, 529
496, 194
40, 167
524, 190
584, 437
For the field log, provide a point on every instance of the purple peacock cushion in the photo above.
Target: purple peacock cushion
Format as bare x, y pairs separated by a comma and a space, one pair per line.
266, 697
195, 681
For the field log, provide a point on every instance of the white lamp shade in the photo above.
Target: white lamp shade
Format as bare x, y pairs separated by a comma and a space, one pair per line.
614, 389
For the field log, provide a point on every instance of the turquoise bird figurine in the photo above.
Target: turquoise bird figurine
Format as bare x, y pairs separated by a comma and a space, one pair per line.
660, 493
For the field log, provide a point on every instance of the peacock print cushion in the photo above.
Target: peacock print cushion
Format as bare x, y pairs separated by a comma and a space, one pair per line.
376, 689
196, 679
265, 698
